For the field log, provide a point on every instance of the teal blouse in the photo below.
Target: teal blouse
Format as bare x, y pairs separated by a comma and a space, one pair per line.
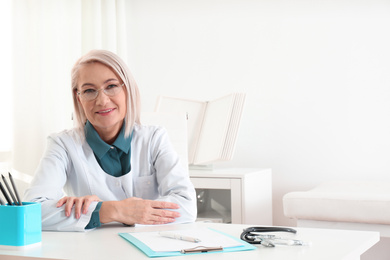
114, 159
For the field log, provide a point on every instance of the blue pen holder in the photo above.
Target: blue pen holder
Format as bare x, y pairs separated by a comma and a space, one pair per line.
20, 225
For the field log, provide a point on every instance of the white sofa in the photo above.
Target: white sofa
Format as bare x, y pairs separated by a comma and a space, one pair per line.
344, 205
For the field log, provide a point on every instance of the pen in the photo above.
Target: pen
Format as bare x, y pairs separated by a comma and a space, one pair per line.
200, 249
179, 237
9, 190
5, 194
15, 190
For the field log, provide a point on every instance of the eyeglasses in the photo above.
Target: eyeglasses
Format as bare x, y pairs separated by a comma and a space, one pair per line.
90, 94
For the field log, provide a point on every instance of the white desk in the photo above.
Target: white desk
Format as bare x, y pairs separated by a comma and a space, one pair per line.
105, 243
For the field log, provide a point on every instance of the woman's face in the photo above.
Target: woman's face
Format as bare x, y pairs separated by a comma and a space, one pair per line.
105, 113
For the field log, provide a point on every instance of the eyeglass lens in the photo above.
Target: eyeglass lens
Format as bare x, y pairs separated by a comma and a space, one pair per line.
92, 93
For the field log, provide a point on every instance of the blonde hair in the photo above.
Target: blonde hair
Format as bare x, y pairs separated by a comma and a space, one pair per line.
118, 66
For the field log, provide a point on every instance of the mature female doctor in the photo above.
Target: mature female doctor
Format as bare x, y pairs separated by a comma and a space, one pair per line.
112, 168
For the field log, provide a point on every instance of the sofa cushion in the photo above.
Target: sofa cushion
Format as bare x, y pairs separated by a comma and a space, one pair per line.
362, 202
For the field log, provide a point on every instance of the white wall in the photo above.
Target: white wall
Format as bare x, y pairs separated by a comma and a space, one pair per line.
6, 80
316, 74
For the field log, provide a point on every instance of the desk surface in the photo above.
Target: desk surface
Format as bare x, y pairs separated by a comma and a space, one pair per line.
105, 243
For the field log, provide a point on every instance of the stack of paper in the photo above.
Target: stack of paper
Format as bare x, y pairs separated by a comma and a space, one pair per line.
212, 125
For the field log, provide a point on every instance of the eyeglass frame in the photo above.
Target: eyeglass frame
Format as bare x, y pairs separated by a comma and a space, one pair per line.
98, 90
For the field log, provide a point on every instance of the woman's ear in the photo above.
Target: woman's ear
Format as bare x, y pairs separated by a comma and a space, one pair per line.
77, 96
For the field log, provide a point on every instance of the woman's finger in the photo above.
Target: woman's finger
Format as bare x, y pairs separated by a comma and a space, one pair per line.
163, 204
157, 220
87, 202
61, 202
166, 213
78, 203
68, 206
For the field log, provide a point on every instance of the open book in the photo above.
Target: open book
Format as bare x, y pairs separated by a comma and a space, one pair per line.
212, 125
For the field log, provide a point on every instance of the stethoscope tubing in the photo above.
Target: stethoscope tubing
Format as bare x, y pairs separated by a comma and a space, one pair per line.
248, 236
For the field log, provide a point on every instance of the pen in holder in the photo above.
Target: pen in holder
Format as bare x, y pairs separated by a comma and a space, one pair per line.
20, 225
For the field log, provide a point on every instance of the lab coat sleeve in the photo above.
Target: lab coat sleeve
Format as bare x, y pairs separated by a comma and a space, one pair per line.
47, 188
174, 184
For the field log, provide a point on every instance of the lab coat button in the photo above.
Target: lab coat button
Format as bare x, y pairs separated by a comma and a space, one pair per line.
118, 183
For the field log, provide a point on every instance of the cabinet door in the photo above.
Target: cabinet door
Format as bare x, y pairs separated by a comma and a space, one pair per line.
237, 202
233, 185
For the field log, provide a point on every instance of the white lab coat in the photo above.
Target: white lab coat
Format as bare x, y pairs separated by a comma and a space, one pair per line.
69, 165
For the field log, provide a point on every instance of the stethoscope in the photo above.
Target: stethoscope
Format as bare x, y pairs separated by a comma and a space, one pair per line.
252, 236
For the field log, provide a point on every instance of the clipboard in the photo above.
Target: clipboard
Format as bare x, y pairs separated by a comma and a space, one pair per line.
193, 248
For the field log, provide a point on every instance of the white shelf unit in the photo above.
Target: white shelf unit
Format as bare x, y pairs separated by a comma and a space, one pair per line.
237, 196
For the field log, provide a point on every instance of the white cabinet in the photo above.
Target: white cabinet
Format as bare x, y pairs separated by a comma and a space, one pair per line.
238, 196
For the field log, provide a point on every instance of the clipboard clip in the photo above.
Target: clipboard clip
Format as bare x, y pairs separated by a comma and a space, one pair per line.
201, 249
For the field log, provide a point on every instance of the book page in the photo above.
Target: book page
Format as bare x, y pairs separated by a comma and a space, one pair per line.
176, 126
194, 111
214, 130
231, 138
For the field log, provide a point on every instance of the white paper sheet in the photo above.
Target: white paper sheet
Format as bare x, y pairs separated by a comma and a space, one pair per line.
208, 237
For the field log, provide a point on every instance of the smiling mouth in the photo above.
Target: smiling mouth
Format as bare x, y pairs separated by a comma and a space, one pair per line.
105, 111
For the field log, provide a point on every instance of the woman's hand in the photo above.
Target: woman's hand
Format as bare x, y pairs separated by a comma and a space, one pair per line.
81, 204
138, 211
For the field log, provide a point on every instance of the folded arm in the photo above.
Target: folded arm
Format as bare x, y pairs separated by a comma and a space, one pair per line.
47, 189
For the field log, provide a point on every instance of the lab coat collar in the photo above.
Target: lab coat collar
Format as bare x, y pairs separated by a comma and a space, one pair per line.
99, 147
